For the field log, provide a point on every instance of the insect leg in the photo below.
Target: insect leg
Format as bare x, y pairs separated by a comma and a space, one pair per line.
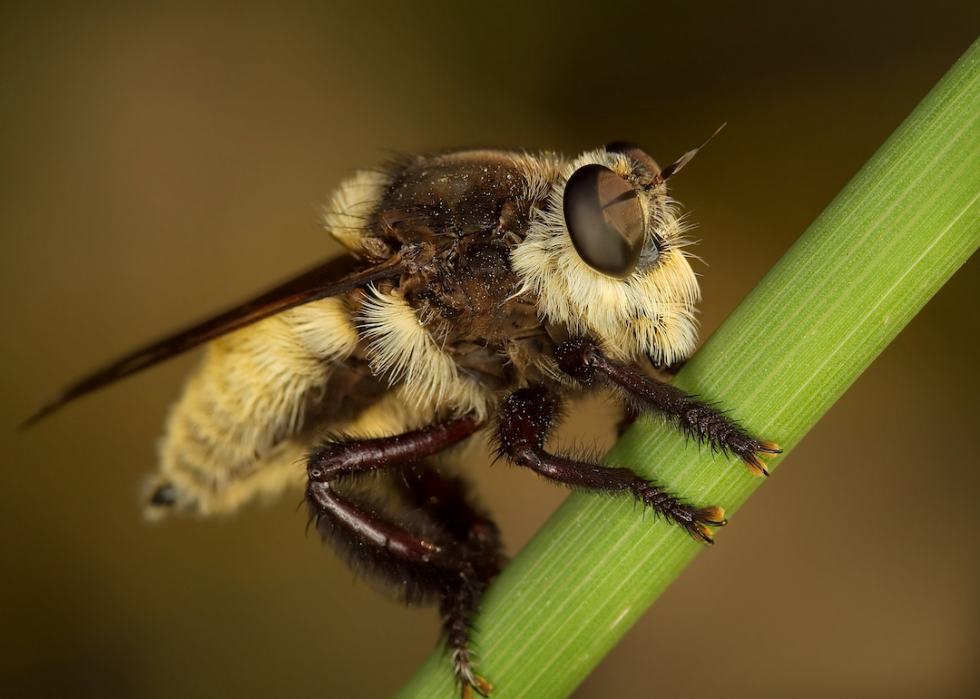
446, 501
441, 548
337, 459
525, 419
359, 528
582, 360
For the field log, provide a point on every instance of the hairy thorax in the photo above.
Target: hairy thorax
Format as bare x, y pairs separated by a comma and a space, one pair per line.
475, 210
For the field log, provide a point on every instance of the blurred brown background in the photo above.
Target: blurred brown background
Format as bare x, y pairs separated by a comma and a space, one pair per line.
160, 162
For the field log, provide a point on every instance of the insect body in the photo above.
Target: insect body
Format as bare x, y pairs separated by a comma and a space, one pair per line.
480, 290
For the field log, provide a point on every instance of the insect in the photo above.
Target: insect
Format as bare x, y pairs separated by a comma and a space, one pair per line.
480, 291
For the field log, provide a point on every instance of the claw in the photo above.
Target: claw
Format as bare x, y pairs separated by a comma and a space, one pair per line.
702, 533
755, 465
763, 450
712, 516
483, 686
770, 448
480, 685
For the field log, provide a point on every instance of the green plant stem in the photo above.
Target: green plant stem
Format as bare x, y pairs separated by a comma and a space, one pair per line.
903, 225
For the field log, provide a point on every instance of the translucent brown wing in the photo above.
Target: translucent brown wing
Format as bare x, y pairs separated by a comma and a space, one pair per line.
334, 277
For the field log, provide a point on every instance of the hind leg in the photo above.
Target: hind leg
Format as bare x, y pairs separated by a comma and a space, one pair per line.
439, 548
446, 501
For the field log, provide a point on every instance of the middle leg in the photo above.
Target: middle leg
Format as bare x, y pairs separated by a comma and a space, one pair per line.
527, 416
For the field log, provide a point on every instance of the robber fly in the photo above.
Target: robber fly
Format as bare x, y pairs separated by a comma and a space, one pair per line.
480, 290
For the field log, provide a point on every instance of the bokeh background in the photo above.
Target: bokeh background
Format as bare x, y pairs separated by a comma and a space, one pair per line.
160, 161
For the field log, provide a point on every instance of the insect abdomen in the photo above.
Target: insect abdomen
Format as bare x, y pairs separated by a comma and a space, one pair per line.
235, 432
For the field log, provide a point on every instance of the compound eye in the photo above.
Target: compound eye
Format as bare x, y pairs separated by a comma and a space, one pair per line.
604, 219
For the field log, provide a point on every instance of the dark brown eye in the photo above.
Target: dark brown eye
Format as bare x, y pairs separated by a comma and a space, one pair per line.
604, 219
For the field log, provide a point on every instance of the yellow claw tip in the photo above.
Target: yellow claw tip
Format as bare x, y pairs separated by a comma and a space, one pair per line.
483, 687
703, 533
756, 466
768, 449
714, 516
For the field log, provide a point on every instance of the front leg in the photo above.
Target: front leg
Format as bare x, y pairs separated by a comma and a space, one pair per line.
525, 419
582, 360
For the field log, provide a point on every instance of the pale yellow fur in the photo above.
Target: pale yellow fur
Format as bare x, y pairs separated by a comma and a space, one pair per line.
650, 312
224, 436
402, 350
346, 214
231, 437
233, 433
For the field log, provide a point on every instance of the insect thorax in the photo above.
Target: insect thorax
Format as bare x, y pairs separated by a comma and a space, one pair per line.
505, 282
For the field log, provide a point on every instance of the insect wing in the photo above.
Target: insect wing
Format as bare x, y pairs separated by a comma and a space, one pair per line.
331, 278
